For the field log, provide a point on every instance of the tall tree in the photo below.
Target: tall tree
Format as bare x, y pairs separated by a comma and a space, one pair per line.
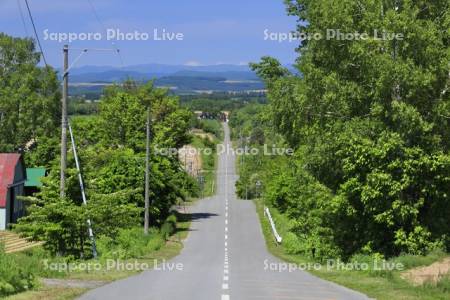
369, 119
29, 97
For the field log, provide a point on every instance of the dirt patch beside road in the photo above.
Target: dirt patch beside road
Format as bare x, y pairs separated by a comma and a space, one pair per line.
429, 274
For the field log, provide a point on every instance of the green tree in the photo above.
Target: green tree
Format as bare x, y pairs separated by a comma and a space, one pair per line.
29, 98
369, 120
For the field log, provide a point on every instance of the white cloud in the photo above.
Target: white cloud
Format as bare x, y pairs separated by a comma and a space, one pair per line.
192, 63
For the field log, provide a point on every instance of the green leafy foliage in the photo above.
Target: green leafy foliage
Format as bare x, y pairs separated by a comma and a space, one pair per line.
130, 243
133, 243
111, 149
211, 126
13, 278
369, 122
29, 99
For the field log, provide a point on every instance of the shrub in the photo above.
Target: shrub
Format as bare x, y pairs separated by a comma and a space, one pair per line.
133, 243
292, 244
14, 278
155, 243
212, 126
169, 227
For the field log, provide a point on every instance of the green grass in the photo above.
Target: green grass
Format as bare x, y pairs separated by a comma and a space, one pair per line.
212, 126
209, 164
32, 260
49, 293
383, 285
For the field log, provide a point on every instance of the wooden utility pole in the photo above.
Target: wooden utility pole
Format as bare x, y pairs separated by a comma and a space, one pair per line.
64, 122
147, 174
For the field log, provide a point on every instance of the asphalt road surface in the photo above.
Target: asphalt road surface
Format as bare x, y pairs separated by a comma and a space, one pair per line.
224, 257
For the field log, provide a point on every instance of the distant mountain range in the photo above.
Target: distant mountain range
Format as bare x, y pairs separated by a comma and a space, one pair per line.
180, 78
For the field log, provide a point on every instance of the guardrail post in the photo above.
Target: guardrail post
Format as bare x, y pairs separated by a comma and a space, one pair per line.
278, 238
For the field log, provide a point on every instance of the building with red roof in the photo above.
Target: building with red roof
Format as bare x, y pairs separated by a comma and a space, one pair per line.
12, 184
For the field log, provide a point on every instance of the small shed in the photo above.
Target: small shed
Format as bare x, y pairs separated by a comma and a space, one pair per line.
12, 185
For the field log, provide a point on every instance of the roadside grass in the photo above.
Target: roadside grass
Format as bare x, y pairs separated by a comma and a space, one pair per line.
33, 260
209, 164
381, 285
49, 293
212, 126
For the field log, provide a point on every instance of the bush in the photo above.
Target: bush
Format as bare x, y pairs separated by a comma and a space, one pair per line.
133, 243
212, 126
156, 243
13, 277
169, 227
292, 244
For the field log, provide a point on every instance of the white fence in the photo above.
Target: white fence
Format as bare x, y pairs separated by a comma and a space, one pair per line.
278, 238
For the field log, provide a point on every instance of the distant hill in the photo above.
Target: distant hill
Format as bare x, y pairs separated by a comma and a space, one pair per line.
181, 78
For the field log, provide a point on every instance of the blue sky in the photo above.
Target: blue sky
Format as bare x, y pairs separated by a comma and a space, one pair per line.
215, 32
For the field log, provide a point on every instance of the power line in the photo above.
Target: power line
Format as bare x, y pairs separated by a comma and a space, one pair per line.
22, 17
94, 11
35, 33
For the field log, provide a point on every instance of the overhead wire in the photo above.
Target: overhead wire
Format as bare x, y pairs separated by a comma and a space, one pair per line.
22, 17
97, 17
35, 33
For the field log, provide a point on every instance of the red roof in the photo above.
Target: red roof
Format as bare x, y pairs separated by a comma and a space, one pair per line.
8, 162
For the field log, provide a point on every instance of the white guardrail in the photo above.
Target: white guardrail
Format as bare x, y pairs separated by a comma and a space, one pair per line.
278, 238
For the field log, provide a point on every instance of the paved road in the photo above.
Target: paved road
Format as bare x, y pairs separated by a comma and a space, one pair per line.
224, 258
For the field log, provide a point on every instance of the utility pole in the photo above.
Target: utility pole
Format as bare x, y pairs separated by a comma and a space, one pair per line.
147, 175
64, 122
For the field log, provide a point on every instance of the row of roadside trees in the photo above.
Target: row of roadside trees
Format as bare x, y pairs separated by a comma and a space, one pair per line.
111, 151
369, 122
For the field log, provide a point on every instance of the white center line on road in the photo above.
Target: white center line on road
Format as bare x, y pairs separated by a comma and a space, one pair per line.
226, 277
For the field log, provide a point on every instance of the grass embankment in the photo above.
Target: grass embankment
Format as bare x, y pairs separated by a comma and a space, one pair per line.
208, 156
381, 285
33, 261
